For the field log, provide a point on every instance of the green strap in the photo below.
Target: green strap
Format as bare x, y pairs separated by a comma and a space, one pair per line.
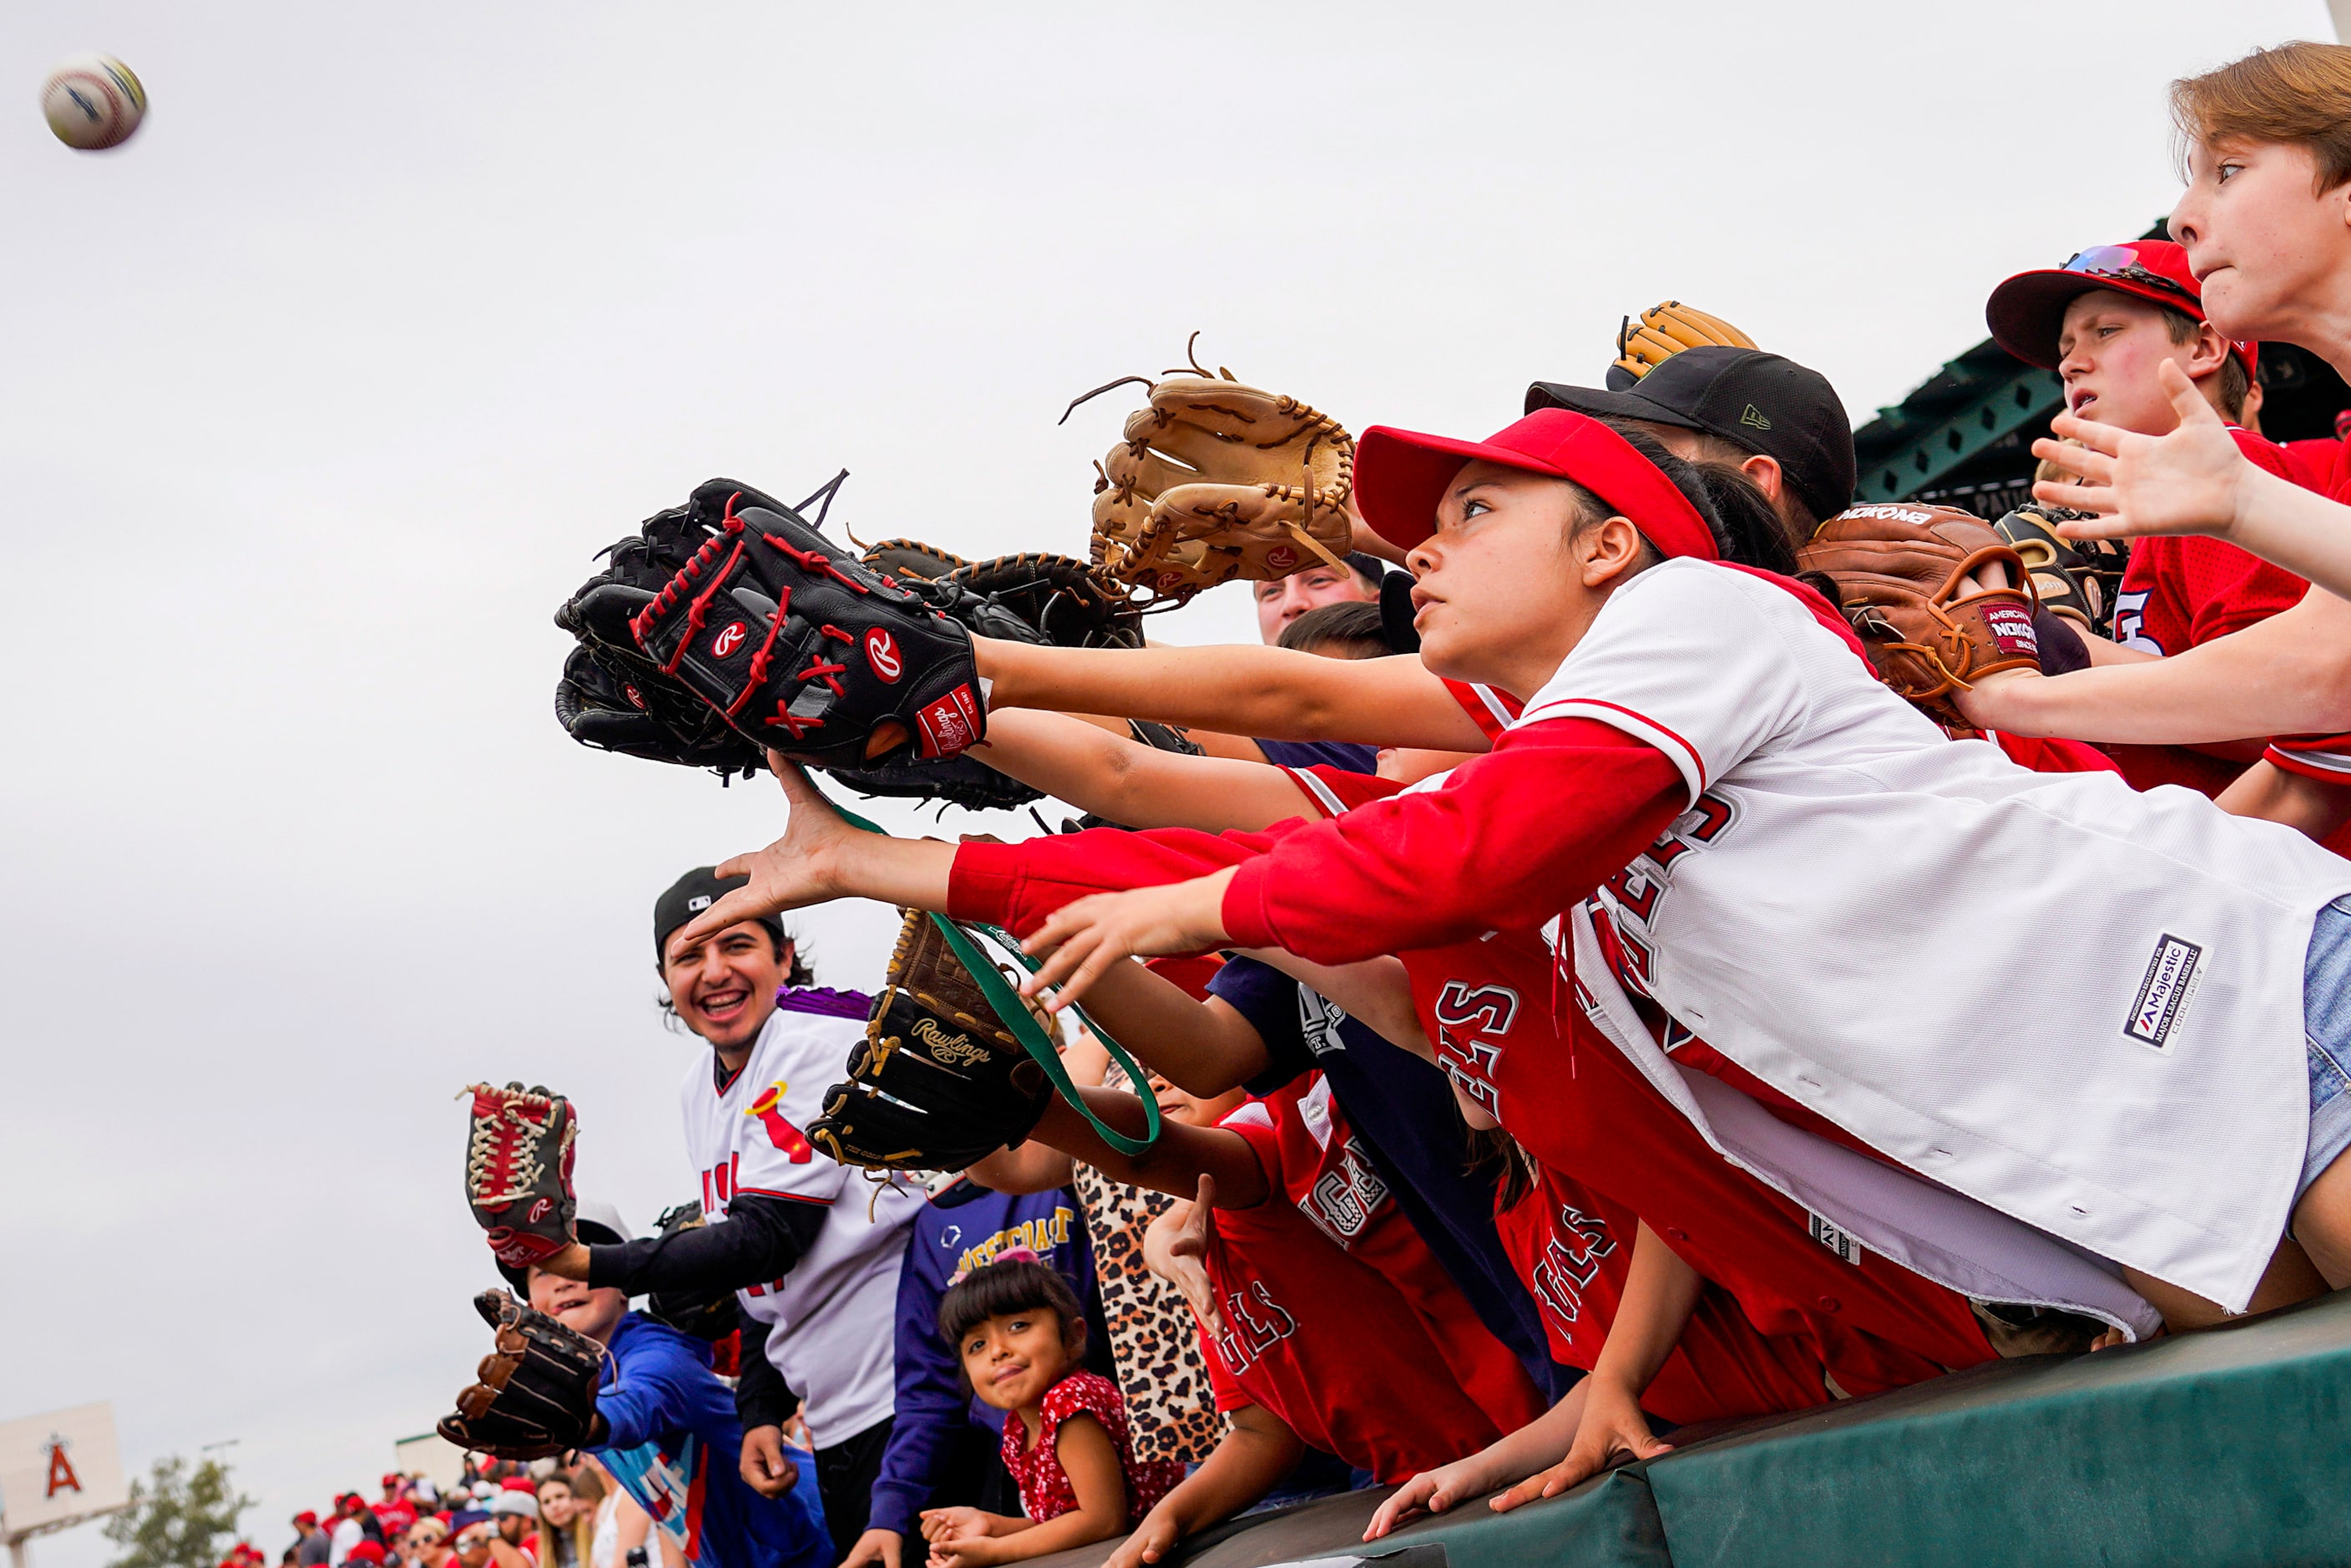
1023, 1023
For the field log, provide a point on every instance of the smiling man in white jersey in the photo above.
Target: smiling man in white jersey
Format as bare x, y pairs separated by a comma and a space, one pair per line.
813, 1253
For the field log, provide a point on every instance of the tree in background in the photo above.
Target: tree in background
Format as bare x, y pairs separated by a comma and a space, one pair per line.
178, 1518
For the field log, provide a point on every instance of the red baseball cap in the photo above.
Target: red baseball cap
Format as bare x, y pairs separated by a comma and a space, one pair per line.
1401, 475
2027, 313
365, 1551
306, 1517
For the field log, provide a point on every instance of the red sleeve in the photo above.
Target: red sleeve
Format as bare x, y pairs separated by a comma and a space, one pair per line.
2221, 589
1336, 790
1016, 886
1229, 1394
1514, 837
2052, 756
1491, 710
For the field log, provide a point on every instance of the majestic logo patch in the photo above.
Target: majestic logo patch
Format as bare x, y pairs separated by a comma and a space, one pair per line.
881, 653
728, 641
1836, 1240
2172, 976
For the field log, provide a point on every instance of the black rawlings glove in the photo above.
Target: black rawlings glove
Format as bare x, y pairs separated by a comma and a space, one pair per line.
615, 698
600, 702
536, 1391
1059, 599
1028, 597
801, 645
938, 1084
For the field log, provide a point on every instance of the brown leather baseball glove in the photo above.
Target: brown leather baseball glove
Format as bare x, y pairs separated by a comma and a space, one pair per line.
1215, 480
1900, 570
2077, 579
1666, 329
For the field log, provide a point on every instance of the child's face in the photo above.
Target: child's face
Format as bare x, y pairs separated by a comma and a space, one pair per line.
1499, 597
2268, 251
1013, 1358
1182, 1106
2109, 349
594, 1312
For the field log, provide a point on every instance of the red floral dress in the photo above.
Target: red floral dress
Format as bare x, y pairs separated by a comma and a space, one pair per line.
1045, 1489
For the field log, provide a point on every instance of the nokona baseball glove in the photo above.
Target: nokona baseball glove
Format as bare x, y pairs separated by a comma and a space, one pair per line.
910, 561
1663, 331
1899, 571
796, 643
519, 1144
2077, 579
535, 1394
1215, 480
938, 1082
707, 1314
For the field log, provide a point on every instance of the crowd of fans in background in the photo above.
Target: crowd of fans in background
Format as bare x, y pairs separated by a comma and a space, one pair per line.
498, 1515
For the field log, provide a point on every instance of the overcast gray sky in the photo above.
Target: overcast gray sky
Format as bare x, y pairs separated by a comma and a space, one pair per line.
319, 394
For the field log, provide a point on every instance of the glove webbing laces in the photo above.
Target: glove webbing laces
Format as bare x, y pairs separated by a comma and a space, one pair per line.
1027, 1029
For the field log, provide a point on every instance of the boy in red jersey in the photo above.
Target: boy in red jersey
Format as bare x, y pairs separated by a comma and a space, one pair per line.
2104, 322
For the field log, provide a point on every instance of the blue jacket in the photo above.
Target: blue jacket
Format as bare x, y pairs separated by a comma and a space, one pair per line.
677, 1448
963, 1227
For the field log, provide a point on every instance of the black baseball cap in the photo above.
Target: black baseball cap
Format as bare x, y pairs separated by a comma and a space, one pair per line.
688, 896
1762, 402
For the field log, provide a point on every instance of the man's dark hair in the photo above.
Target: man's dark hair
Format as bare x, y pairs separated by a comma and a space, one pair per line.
1016, 1285
1356, 624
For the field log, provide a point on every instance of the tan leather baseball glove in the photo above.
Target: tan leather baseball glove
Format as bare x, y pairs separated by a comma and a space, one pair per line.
1215, 479
1901, 573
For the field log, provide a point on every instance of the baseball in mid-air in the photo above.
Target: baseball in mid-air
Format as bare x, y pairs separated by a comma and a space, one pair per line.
93, 101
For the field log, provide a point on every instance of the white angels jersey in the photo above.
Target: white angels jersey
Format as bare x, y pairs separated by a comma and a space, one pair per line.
1864, 915
744, 1136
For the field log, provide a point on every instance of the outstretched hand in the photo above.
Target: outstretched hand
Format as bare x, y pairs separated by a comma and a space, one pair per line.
1176, 1248
1612, 1430
2192, 481
801, 868
1085, 938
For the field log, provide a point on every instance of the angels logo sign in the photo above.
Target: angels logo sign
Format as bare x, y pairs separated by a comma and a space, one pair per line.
728, 641
881, 653
1281, 557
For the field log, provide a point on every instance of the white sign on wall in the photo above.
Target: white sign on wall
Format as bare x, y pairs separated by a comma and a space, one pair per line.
57, 1470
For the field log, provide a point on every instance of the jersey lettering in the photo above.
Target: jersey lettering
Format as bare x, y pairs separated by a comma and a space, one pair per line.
1346, 1197
1254, 1324
1571, 1260
1490, 1010
1636, 891
1039, 1236
2130, 623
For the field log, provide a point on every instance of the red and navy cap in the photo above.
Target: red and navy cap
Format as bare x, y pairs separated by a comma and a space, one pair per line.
2027, 313
1400, 476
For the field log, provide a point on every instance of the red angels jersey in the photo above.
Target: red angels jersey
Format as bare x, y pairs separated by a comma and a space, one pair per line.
2325, 756
1575, 1250
1310, 1156
744, 1135
1327, 1342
